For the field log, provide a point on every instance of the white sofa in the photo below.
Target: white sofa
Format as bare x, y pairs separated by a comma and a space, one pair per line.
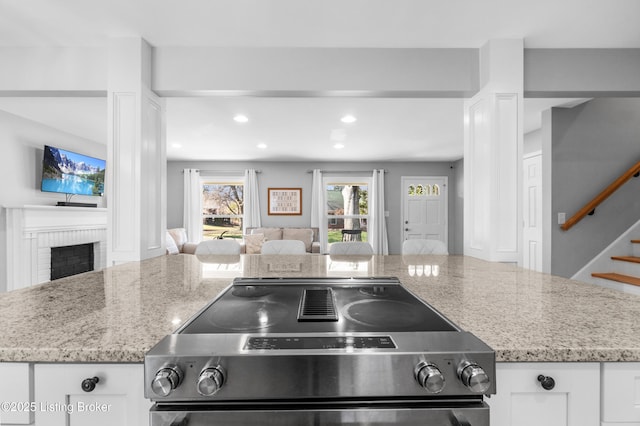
176, 239
176, 242
254, 238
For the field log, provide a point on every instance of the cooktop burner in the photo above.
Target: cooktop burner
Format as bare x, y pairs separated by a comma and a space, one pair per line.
247, 315
378, 313
269, 306
250, 291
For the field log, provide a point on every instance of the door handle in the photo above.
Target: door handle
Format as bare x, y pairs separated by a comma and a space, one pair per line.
458, 419
180, 420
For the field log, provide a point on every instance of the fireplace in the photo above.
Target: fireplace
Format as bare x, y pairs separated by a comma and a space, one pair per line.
32, 232
71, 260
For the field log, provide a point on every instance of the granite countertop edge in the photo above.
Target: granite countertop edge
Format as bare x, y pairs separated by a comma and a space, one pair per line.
137, 357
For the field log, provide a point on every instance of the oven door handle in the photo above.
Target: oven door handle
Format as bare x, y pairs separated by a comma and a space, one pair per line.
181, 420
458, 419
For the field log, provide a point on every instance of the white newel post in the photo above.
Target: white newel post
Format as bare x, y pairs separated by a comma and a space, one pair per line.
136, 155
493, 155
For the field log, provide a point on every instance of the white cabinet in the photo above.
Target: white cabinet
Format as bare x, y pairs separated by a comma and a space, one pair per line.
117, 399
16, 393
522, 401
621, 393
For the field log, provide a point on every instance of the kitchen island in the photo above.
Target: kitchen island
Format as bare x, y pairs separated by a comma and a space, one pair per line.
102, 323
118, 313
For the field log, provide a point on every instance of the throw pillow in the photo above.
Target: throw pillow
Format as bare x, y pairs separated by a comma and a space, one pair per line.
302, 234
172, 248
269, 233
253, 243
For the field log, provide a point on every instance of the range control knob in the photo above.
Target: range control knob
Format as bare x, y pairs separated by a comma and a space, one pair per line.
167, 379
210, 381
429, 377
474, 377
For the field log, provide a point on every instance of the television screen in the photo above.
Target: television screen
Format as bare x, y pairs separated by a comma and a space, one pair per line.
71, 173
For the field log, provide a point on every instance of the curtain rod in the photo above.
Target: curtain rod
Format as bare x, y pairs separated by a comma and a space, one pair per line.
222, 171
346, 171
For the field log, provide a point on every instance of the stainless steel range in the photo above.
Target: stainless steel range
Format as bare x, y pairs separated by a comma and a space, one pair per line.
322, 351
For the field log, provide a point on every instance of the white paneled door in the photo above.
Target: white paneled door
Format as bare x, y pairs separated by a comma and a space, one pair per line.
532, 212
424, 207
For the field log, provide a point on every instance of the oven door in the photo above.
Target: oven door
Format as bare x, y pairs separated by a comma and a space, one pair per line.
474, 413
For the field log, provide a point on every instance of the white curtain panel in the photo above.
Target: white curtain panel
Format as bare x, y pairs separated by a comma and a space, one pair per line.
192, 213
318, 206
251, 201
378, 223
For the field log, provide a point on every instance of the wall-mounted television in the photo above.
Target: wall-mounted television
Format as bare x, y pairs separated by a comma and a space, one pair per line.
71, 173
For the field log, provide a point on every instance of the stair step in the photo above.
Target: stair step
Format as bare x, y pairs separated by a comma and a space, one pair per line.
633, 259
626, 279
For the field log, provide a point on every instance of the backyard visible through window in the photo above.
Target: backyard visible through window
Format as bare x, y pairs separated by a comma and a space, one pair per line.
222, 209
347, 211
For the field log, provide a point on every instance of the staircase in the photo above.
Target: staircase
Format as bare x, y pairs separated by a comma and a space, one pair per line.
622, 257
624, 270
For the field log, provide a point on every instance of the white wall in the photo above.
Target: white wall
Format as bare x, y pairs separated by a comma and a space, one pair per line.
22, 142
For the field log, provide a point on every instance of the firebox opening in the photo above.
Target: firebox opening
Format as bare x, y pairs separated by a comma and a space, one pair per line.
71, 260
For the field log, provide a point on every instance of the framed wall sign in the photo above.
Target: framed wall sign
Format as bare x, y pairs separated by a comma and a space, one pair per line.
285, 201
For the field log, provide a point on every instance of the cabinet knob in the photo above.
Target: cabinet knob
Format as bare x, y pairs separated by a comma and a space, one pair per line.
546, 382
89, 384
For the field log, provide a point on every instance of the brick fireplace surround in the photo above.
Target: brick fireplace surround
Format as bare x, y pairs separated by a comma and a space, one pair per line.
33, 230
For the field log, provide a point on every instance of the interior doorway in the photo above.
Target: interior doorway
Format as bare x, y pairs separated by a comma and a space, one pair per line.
532, 212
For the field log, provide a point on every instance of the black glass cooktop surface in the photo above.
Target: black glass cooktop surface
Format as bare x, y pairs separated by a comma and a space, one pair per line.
316, 306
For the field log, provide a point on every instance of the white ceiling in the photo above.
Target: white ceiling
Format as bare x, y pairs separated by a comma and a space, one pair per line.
323, 23
293, 129
305, 128
308, 129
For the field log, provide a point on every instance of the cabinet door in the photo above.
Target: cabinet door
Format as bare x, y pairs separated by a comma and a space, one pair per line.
621, 392
118, 397
16, 393
522, 401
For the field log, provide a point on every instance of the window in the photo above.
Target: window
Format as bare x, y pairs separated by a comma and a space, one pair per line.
424, 190
222, 208
347, 208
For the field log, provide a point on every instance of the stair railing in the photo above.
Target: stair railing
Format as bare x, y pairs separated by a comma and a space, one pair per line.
590, 207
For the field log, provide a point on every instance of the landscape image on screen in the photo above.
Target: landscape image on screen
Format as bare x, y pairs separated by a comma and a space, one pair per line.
71, 173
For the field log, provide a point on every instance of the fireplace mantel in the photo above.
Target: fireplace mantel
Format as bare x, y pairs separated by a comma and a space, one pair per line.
33, 230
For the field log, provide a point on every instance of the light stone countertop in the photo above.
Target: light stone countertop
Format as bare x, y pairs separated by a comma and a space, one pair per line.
117, 314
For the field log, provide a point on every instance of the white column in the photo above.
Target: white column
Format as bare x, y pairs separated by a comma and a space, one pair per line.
136, 155
493, 156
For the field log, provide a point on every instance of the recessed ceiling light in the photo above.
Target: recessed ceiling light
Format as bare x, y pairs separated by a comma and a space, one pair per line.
262, 145
338, 145
176, 145
240, 118
348, 119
